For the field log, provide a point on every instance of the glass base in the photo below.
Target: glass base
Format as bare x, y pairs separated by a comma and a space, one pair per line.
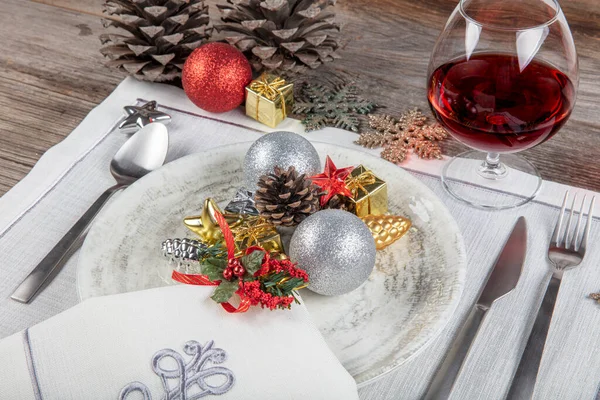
491, 181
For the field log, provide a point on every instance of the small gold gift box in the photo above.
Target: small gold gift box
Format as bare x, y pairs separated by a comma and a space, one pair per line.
369, 193
256, 231
248, 230
269, 99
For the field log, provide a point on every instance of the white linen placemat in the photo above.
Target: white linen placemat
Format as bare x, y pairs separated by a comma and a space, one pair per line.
41, 208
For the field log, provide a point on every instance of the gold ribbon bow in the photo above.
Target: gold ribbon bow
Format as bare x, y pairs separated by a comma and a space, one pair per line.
270, 90
252, 231
360, 181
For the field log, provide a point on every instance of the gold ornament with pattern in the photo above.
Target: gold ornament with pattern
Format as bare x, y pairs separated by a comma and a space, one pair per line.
386, 229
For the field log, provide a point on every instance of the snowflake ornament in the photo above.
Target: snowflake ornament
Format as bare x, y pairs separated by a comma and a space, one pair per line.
399, 137
335, 104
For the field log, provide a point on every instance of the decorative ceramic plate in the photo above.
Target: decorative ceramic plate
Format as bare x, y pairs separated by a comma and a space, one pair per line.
412, 292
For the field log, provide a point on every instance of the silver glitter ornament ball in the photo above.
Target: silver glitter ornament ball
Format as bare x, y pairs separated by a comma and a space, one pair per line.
336, 249
282, 149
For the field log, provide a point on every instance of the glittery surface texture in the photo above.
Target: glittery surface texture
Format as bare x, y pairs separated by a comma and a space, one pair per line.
215, 77
282, 149
336, 249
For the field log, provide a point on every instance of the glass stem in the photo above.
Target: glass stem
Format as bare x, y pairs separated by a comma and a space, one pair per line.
492, 168
492, 160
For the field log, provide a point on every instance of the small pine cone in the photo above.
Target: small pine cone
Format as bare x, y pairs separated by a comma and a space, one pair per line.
337, 202
286, 198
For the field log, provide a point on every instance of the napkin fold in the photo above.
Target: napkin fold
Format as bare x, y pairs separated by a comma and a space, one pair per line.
171, 343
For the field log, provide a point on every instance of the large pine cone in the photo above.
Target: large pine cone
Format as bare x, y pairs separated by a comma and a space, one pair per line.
162, 33
282, 35
286, 198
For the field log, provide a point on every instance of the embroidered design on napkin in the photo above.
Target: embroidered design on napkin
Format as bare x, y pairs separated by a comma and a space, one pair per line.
187, 381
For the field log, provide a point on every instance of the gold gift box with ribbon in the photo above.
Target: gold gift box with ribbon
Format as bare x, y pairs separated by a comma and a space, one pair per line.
369, 193
248, 230
268, 99
256, 231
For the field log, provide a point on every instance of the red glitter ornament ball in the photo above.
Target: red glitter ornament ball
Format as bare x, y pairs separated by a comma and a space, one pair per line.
215, 76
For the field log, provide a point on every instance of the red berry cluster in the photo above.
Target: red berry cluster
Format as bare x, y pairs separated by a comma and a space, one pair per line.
257, 295
276, 266
253, 291
234, 268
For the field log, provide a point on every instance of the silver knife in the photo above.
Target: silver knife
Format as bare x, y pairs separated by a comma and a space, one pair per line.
524, 379
501, 280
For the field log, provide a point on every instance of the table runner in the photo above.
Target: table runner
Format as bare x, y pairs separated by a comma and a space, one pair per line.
68, 178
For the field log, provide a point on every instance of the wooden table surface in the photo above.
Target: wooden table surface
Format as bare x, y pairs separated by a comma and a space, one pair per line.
52, 75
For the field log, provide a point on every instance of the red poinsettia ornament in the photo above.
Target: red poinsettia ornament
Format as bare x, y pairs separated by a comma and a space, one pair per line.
332, 181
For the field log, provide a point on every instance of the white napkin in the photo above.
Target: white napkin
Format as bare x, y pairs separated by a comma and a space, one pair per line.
142, 345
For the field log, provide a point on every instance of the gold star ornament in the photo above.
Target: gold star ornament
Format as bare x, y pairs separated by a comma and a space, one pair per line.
205, 225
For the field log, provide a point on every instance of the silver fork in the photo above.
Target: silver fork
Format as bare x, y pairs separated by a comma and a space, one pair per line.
566, 251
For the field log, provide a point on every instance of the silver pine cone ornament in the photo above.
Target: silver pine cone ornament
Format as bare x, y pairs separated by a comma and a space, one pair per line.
285, 198
184, 249
153, 38
284, 36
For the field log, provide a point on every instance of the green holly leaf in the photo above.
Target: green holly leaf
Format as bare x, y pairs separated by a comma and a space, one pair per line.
218, 262
253, 261
224, 291
213, 268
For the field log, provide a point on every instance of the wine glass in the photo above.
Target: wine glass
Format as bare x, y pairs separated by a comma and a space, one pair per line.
502, 78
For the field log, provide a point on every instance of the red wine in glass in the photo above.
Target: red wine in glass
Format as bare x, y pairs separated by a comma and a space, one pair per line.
492, 103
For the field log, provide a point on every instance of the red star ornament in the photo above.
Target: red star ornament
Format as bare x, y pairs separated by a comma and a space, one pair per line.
332, 181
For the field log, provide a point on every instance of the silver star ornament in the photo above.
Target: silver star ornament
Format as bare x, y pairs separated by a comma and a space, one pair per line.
138, 117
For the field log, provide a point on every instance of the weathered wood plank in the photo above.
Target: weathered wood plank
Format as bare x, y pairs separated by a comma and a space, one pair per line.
83, 6
52, 75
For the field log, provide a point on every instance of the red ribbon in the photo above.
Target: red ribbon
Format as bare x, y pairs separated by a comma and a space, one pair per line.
192, 279
227, 234
202, 280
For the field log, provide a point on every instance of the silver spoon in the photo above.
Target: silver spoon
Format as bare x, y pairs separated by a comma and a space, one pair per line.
145, 151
